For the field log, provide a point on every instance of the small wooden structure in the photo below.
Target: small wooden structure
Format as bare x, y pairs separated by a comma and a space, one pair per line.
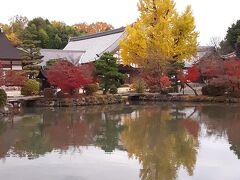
16, 102
10, 56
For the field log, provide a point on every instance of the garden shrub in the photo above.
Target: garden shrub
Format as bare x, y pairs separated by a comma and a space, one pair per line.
211, 90
235, 93
3, 98
31, 87
90, 89
154, 89
113, 90
48, 92
60, 94
139, 86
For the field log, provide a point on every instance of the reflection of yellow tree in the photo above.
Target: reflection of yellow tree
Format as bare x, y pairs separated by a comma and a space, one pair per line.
160, 143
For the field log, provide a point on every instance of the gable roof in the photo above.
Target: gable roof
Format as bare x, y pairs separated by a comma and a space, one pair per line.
69, 55
202, 51
96, 44
7, 50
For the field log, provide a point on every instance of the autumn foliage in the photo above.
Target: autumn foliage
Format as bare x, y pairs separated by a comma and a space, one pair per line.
219, 74
12, 78
1, 76
94, 27
69, 77
154, 82
165, 81
15, 78
223, 73
192, 75
191, 126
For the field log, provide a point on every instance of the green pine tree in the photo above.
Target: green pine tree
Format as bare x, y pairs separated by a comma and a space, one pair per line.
31, 58
107, 71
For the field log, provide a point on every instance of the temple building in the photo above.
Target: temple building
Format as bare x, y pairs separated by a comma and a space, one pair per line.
10, 56
72, 56
95, 45
89, 48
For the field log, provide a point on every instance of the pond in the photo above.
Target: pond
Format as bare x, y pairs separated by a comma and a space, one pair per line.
148, 141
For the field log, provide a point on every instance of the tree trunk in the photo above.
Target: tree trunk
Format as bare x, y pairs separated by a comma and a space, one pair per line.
195, 92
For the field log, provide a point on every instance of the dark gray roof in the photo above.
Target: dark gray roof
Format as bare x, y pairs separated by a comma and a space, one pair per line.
106, 33
201, 52
57, 54
7, 50
96, 44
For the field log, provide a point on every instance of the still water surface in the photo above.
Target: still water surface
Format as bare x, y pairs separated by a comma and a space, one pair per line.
150, 141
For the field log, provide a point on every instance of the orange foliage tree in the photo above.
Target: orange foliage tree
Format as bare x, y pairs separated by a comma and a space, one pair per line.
12, 78
94, 27
15, 78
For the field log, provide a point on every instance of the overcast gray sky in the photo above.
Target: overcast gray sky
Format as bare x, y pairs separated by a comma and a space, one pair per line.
213, 17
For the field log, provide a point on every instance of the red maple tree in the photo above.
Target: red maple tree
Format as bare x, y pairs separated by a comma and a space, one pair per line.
1, 75
69, 77
15, 78
165, 81
156, 83
192, 75
232, 67
225, 73
211, 68
11, 77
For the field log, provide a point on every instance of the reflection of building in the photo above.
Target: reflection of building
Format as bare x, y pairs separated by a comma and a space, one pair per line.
10, 56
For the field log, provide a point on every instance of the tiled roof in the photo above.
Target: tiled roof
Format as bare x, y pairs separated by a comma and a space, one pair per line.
7, 50
201, 52
100, 34
96, 44
50, 54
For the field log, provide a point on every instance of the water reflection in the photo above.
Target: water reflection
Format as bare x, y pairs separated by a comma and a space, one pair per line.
37, 133
164, 138
162, 141
223, 121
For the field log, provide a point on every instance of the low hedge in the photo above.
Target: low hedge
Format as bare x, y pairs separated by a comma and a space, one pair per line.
49, 93
211, 90
113, 90
30, 88
3, 98
90, 89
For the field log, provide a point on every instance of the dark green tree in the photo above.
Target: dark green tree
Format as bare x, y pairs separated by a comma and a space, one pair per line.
51, 35
232, 35
237, 47
230, 43
31, 58
44, 38
108, 72
57, 42
173, 70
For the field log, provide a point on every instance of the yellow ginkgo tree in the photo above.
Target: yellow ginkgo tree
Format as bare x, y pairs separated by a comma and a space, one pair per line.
160, 35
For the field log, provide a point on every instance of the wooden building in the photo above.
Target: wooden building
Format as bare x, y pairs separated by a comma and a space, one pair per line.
10, 56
